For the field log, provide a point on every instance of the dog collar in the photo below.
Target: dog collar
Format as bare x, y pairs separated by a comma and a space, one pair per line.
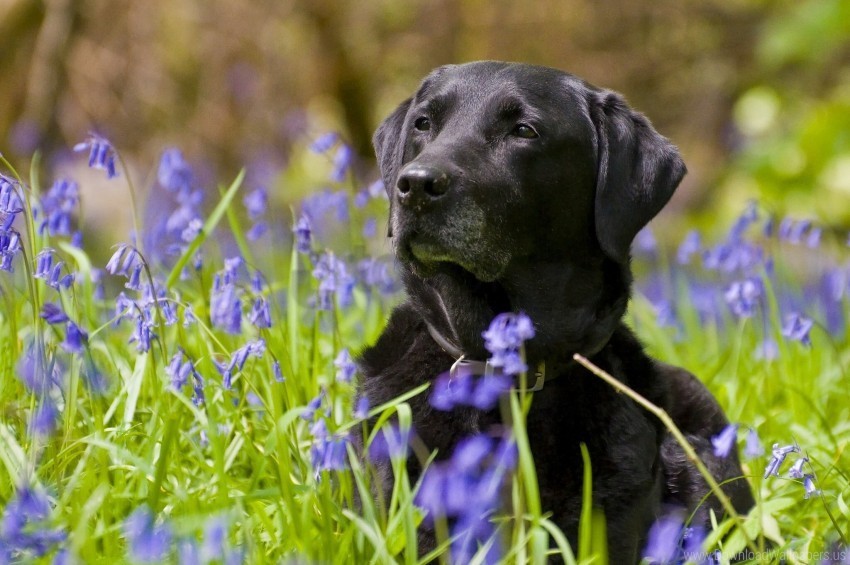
473, 367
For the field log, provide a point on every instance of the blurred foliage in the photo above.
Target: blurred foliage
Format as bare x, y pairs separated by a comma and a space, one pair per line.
792, 125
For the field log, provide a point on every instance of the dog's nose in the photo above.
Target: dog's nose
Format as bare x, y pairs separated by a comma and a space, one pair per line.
422, 182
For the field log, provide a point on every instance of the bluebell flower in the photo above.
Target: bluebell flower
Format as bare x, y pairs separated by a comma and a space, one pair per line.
303, 236
361, 199
342, 162
489, 389
238, 360
324, 142
180, 369
149, 542
75, 338
361, 409
664, 539
326, 207
45, 417
370, 228
767, 350
345, 367
743, 296
277, 372
693, 539
53, 314
467, 488
796, 470
101, 154
256, 202
198, 397
725, 440
143, 332
504, 339
49, 272
257, 231
188, 316
809, 485
10, 202
309, 411
174, 173
26, 533
795, 232
328, 452
814, 237
645, 242
226, 309
57, 205
390, 442
10, 245
753, 447
447, 392
797, 328
377, 273
123, 259
334, 279
376, 189
260, 314
690, 245
778, 455
192, 229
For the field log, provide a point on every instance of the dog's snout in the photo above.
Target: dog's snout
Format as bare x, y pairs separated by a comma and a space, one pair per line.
418, 182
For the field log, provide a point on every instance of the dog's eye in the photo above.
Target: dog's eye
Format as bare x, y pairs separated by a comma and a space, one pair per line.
422, 124
524, 131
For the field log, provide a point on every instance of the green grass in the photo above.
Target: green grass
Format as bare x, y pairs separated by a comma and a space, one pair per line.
242, 457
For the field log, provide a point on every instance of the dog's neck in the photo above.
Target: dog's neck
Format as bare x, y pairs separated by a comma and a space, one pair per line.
575, 309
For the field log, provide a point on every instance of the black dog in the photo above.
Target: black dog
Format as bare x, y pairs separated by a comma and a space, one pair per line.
520, 188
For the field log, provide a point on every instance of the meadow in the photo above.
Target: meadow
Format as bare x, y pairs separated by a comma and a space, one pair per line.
193, 399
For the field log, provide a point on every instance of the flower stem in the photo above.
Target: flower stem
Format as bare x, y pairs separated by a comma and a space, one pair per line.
690, 453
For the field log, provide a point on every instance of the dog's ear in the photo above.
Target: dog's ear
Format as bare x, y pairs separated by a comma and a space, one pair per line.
388, 142
638, 170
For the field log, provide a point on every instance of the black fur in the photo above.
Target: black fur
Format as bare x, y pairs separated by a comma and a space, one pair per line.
486, 218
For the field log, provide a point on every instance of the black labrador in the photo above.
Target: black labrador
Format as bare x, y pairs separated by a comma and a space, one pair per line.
517, 188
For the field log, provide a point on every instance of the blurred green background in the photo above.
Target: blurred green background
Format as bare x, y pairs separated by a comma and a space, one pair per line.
755, 93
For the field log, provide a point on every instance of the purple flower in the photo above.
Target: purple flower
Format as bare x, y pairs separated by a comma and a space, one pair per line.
345, 367
277, 372
377, 274
25, 531
361, 410
53, 314
302, 234
257, 231
10, 245
10, 200
256, 202
809, 485
45, 418
725, 440
57, 205
342, 162
334, 279
767, 350
390, 442
663, 540
179, 370
797, 328
149, 542
125, 258
449, 392
753, 447
743, 296
75, 338
489, 389
238, 360
142, 332
260, 315
174, 173
328, 452
49, 272
814, 237
645, 242
796, 470
226, 309
324, 142
101, 154
690, 246
778, 455
504, 339
310, 411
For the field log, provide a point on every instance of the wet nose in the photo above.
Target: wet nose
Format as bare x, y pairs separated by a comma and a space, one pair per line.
422, 183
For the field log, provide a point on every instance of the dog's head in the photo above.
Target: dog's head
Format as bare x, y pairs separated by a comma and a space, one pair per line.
497, 170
